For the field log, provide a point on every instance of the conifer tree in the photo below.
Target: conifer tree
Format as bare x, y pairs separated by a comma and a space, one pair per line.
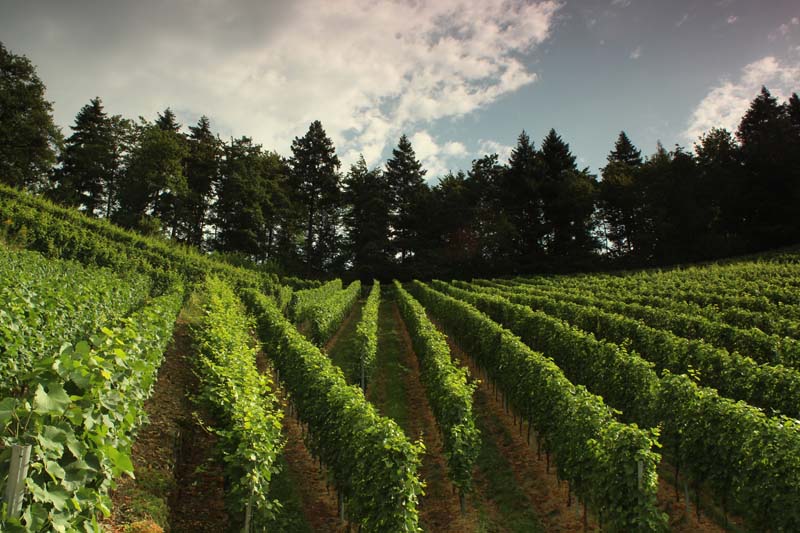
766, 138
154, 178
315, 181
29, 140
202, 175
89, 161
239, 214
619, 200
568, 199
405, 179
521, 199
366, 196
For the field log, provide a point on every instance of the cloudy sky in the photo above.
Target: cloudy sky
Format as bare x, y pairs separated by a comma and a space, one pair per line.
460, 77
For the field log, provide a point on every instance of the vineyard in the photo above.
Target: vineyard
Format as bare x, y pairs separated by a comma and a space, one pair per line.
147, 387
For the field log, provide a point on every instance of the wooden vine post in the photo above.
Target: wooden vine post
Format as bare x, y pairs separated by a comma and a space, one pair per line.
15, 489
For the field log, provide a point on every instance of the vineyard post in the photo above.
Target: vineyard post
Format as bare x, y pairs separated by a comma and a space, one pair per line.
15, 489
249, 512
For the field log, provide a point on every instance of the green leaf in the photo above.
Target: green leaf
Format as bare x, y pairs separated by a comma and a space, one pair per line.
52, 402
7, 406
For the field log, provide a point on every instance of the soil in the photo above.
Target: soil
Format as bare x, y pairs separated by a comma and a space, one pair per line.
173, 455
440, 510
548, 496
318, 502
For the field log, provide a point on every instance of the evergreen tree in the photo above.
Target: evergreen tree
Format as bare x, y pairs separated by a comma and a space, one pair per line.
167, 121
625, 152
89, 161
405, 179
772, 180
29, 140
793, 109
366, 196
497, 236
242, 193
456, 243
315, 180
718, 163
202, 175
568, 199
521, 200
154, 178
618, 195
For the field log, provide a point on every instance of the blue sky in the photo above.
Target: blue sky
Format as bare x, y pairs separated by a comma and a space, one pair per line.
461, 78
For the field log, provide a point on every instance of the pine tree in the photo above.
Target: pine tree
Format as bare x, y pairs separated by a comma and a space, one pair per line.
89, 161
153, 180
315, 180
521, 200
625, 152
29, 140
568, 199
772, 181
793, 108
618, 198
366, 196
239, 214
202, 174
497, 236
405, 179
167, 121
718, 162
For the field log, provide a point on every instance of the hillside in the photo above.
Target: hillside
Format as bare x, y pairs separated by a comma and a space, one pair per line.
161, 389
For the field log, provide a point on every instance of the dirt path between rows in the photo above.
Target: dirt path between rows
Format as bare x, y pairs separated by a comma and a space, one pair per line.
439, 508
547, 495
179, 482
319, 505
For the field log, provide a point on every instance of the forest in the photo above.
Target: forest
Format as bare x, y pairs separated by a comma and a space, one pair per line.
732, 193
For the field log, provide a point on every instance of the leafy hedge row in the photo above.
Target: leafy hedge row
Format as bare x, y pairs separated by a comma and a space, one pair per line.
85, 403
598, 455
45, 303
67, 234
304, 300
448, 390
731, 446
242, 400
328, 314
365, 340
771, 387
625, 381
762, 347
370, 459
768, 322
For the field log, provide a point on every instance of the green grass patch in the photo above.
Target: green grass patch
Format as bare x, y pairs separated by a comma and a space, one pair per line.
283, 487
343, 352
513, 507
387, 391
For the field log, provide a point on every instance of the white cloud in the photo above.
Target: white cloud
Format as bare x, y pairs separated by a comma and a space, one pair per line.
436, 158
487, 147
637, 53
368, 70
621, 3
683, 19
732, 19
725, 104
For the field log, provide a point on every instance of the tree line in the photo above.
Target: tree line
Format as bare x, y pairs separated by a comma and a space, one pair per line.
735, 192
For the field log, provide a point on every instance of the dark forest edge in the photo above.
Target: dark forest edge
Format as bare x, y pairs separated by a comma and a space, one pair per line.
735, 193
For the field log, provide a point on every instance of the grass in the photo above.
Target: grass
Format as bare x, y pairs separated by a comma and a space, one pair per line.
387, 391
342, 353
283, 487
513, 507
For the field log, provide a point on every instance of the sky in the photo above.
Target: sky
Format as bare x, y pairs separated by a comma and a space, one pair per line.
461, 78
